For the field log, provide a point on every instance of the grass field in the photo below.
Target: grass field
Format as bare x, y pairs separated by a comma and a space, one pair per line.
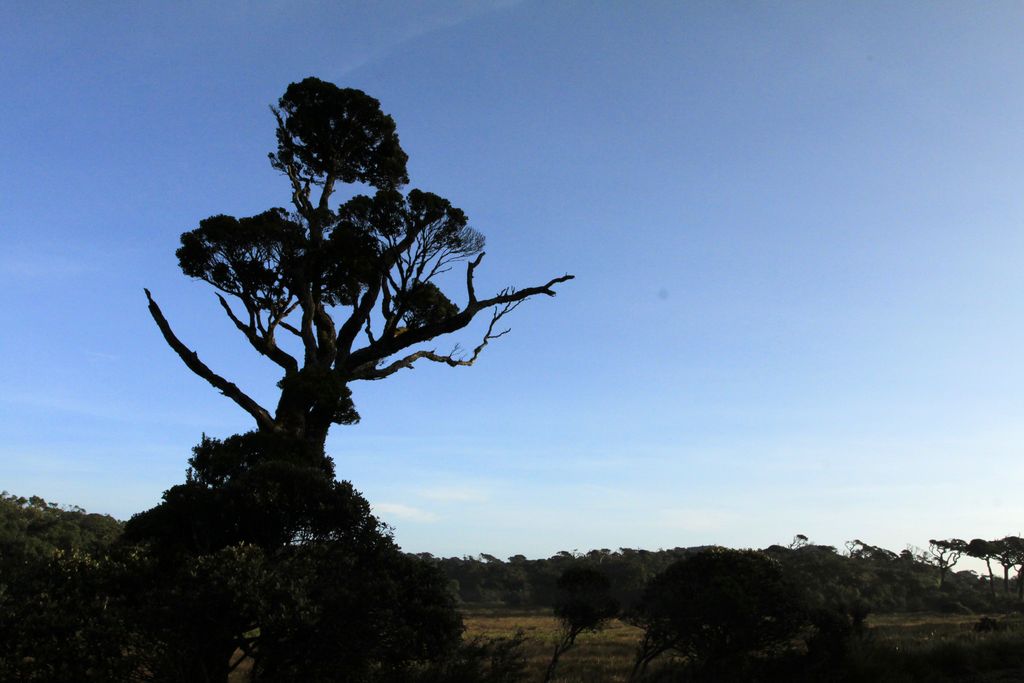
604, 656
899, 647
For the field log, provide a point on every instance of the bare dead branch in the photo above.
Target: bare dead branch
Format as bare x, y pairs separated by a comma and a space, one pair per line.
191, 359
471, 291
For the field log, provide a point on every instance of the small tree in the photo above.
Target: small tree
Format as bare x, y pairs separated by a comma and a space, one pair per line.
944, 554
584, 604
981, 549
715, 605
1009, 553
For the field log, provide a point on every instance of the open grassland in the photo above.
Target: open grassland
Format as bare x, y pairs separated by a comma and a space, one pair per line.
897, 647
604, 656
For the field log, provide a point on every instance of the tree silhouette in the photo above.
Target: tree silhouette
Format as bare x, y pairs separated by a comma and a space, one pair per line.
944, 554
981, 549
261, 550
1009, 553
355, 284
584, 604
716, 605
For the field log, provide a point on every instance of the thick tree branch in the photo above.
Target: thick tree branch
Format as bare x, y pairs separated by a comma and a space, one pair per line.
371, 372
291, 328
325, 193
325, 334
265, 343
191, 359
389, 346
306, 329
470, 290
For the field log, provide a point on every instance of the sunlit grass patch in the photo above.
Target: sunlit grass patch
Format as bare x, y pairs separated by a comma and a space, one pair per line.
603, 656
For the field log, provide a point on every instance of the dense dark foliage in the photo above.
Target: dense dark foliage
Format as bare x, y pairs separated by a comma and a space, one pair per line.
262, 555
262, 551
32, 529
717, 605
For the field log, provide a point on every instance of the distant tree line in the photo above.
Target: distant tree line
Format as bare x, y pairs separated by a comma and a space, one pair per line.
882, 580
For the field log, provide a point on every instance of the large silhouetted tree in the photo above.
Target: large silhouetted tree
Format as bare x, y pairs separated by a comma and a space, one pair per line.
355, 283
261, 550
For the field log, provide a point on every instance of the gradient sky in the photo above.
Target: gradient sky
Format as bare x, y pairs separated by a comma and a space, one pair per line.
796, 230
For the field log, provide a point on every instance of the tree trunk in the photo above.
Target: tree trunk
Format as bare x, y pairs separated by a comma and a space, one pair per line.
554, 662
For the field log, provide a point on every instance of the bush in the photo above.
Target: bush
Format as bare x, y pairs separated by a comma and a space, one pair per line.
715, 607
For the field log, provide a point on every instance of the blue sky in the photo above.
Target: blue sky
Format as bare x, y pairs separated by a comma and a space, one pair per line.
795, 230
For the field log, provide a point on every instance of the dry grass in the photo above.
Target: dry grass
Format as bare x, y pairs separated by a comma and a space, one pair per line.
608, 655
924, 626
604, 656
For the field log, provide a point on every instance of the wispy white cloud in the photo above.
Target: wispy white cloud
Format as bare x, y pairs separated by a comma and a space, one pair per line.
403, 512
455, 494
698, 520
100, 409
432, 18
36, 265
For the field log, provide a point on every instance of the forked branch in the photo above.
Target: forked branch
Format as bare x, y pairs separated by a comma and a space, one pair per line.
264, 343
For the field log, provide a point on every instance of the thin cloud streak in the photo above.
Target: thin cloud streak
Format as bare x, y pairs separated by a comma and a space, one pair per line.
104, 411
423, 26
406, 513
454, 495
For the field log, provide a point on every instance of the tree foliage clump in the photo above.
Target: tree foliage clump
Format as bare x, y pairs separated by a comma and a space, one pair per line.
33, 529
263, 552
716, 605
